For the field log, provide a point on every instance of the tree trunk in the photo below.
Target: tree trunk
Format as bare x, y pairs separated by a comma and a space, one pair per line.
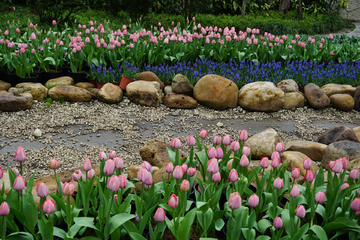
284, 6
243, 9
299, 16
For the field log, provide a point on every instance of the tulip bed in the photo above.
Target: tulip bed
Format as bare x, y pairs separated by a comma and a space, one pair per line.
223, 203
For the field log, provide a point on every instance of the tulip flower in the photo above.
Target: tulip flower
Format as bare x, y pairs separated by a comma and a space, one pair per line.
227, 140
235, 146
295, 191
203, 134
109, 167
275, 163
246, 150
148, 166
233, 176
295, 173
320, 197
17, 173
178, 172
77, 175
49, 206
102, 156
243, 135
336, 166
175, 143
119, 163
217, 140
331, 53
4, 209
90, 174
213, 166
185, 185
345, 185
123, 181
32, 36
113, 183
1, 173
279, 147
191, 141
211, 152
355, 205
20, 155
234, 201
253, 200
19, 183
219, 153
307, 163
112, 154
278, 183
148, 181
244, 161
274, 155
170, 167
216, 177
278, 223
143, 174
68, 189
160, 215
87, 166
42, 190
345, 162
173, 201
354, 174
309, 176
264, 163
185, 167
300, 211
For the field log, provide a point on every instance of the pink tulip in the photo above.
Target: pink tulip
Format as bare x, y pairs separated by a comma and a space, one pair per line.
309, 176
32, 36
49, 206
109, 167
217, 140
203, 134
211, 152
53, 22
1, 173
234, 201
112, 154
295, 173
119, 163
42, 190
345, 185
279, 147
213, 166
173, 201
90, 174
160, 215
185, 185
278, 183
113, 183
274, 155
175, 143
143, 174
216, 177
345, 162
300, 211
16, 171
148, 166
87, 166
320, 197
264, 163
275, 163
354, 174
17, 30
4, 209
355, 205
68, 188
336, 166
191, 171
191, 141
20, 155
331, 36
178, 172
19, 183
219, 153
244, 161
235, 146
77, 175
131, 45
170, 167
102, 156
233, 176
243, 135
246, 150
295, 191
331, 53
253, 200
307, 164
123, 181
185, 167
321, 46
278, 223
6, 33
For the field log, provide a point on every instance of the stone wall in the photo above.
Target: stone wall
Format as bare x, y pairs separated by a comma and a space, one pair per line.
352, 12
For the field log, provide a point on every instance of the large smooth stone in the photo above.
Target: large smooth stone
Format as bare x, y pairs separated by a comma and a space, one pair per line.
262, 97
357, 132
167, 90
150, 77
316, 97
216, 92
93, 91
181, 85
342, 102
37, 90
338, 133
11, 103
173, 100
145, 93
296, 160
334, 88
4, 85
357, 99
70, 93
263, 144
288, 86
85, 85
336, 150
110, 93
61, 81
313, 150
293, 100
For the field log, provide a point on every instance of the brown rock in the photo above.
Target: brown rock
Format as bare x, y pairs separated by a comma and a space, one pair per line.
167, 90
288, 86
316, 96
4, 85
342, 102
69, 93
354, 164
93, 91
313, 150
338, 133
293, 100
3, 91
85, 85
173, 100
181, 85
357, 132
10, 102
295, 160
216, 92
261, 96
110, 93
145, 93
333, 88
357, 99
336, 150
149, 76
263, 144
61, 81
37, 90
133, 170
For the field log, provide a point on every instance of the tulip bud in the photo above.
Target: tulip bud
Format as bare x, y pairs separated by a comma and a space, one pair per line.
295, 191
178, 172
246, 150
42, 190
278, 183
20, 155
173, 201
77, 175
102, 156
123, 181
19, 183
185, 185
300, 211
234, 201
211, 152
295, 173
355, 205
235, 146
87, 166
112, 154
217, 140
345, 185
1, 173
68, 189
109, 167
345, 162
119, 163
354, 174
4, 209
143, 174
233, 176
90, 174
216, 177
113, 183
264, 163
275, 163
253, 200
227, 140
175, 143
170, 167
185, 167
203, 134
148, 166
160, 215
244, 161
278, 223
279, 147
307, 163
309, 176
320, 197
16, 171
191, 141
274, 155
49, 206
213, 166
243, 135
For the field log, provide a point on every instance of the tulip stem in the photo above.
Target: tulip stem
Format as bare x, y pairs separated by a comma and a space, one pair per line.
3, 233
68, 214
55, 176
21, 172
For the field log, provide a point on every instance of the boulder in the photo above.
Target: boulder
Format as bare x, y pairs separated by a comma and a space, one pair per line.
132, 171
4, 85
167, 90
70, 93
293, 100
334, 88
37, 90
313, 150
150, 77
340, 149
10, 102
338, 133
342, 102
316, 97
357, 99
181, 85
93, 91
61, 81
261, 96
216, 92
295, 160
110, 93
354, 164
357, 132
155, 153
145, 93
85, 85
3, 91
263, 144
173, 100
288, 86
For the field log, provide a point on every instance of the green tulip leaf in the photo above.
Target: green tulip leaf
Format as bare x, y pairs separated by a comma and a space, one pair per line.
319, 231
136, 236
119, 219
